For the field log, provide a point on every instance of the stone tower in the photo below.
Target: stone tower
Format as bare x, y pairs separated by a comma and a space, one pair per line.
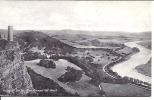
10, 33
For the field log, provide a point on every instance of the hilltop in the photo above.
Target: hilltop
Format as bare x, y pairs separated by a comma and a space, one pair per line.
37, 42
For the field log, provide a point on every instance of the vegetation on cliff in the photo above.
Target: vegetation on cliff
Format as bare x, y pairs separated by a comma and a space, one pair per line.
15, 81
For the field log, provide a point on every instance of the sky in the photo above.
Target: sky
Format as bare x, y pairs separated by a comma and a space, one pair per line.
130, 16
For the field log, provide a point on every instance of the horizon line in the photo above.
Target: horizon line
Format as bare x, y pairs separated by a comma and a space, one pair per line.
75, 30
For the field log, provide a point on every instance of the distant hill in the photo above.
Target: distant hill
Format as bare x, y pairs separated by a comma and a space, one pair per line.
97, 33
84, 33
70, 38
77, 35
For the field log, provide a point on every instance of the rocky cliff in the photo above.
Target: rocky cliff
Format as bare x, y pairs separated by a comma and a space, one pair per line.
14, 78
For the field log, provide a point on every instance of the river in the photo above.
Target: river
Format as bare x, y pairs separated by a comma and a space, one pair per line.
127, 68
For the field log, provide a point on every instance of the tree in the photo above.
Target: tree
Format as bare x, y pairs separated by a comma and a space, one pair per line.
47, 63
71, 75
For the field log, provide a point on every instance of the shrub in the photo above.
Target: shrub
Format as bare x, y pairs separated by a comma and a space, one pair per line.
71, 75
30, 55
47, 63
136, 49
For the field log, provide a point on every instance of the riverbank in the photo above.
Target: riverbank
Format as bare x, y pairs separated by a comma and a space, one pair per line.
127, 86
108, 68
127, 68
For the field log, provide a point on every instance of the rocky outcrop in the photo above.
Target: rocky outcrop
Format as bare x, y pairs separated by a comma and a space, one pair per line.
14, 78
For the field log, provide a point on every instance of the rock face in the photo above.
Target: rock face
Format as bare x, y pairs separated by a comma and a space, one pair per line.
14, 78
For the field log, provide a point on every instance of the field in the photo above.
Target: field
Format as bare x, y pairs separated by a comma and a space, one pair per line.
145, 68
124, 90
82, 87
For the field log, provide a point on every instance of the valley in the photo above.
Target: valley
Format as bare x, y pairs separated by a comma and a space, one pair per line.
95, 59
81, 65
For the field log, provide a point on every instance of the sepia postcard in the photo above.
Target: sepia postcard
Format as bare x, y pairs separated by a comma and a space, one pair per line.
75, 48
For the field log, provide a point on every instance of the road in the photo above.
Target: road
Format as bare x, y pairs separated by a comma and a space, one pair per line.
105, 68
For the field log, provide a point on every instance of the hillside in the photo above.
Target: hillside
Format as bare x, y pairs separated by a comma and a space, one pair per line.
83, 34
34, 41
46, 86
145, 68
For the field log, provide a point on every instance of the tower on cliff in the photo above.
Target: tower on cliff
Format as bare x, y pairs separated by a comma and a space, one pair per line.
10, 33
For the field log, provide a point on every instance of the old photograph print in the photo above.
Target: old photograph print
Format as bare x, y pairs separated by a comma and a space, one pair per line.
75, 48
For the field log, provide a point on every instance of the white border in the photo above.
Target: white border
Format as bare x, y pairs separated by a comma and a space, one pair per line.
96, 98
